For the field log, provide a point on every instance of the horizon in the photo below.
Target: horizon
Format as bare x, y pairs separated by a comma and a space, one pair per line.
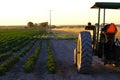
56, 25
63, 12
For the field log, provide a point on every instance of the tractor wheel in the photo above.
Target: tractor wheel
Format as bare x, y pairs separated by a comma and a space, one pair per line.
84, 52
75, 57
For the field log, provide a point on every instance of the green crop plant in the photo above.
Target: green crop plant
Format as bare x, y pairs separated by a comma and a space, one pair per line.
50, 64
4, 67
5, 56
16, 39
27, 49
31, 61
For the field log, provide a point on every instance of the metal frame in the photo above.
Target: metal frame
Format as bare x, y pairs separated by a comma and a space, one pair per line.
104, 5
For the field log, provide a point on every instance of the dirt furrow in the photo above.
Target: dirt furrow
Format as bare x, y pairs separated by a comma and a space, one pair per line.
40, 68
64, 55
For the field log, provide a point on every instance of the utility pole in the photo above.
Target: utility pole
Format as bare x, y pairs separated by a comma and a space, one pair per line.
50, 20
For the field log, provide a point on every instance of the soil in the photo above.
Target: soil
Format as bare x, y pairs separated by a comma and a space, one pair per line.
66, 70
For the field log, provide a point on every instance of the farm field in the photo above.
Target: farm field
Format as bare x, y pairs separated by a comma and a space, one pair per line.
34, 54
77, 30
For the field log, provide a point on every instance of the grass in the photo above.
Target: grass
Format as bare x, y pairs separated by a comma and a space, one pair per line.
78, 30
64, 36
58, 35
118, 34
12, 27
71, 30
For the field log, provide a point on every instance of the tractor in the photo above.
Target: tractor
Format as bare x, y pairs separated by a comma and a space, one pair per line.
103, 43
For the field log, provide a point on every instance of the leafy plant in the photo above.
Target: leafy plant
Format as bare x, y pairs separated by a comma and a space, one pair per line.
30, 63
4, 67
50, 64
14, 40
5, 56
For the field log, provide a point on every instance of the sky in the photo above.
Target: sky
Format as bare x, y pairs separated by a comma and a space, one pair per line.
63, 12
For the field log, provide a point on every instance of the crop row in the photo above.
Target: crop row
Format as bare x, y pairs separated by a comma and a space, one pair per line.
4, 67
30, 63
16, 39
18, 46
9, 62
22, 53
4, 56
51, 64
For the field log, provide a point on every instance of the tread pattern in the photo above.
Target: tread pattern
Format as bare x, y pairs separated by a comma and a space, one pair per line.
86, 52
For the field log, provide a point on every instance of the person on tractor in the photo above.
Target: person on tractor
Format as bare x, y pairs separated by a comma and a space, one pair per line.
109, 31
89, 27
93, 28
108, 37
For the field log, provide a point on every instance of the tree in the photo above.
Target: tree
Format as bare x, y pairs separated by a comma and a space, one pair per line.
35, 25
44, 24
30, 24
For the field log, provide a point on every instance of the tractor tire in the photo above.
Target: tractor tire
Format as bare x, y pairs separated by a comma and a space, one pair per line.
84, 52
75, 57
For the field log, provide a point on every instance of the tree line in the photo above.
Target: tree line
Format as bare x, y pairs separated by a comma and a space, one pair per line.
42, 24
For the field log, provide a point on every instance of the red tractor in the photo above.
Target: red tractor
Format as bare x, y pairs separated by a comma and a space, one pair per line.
103, 44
